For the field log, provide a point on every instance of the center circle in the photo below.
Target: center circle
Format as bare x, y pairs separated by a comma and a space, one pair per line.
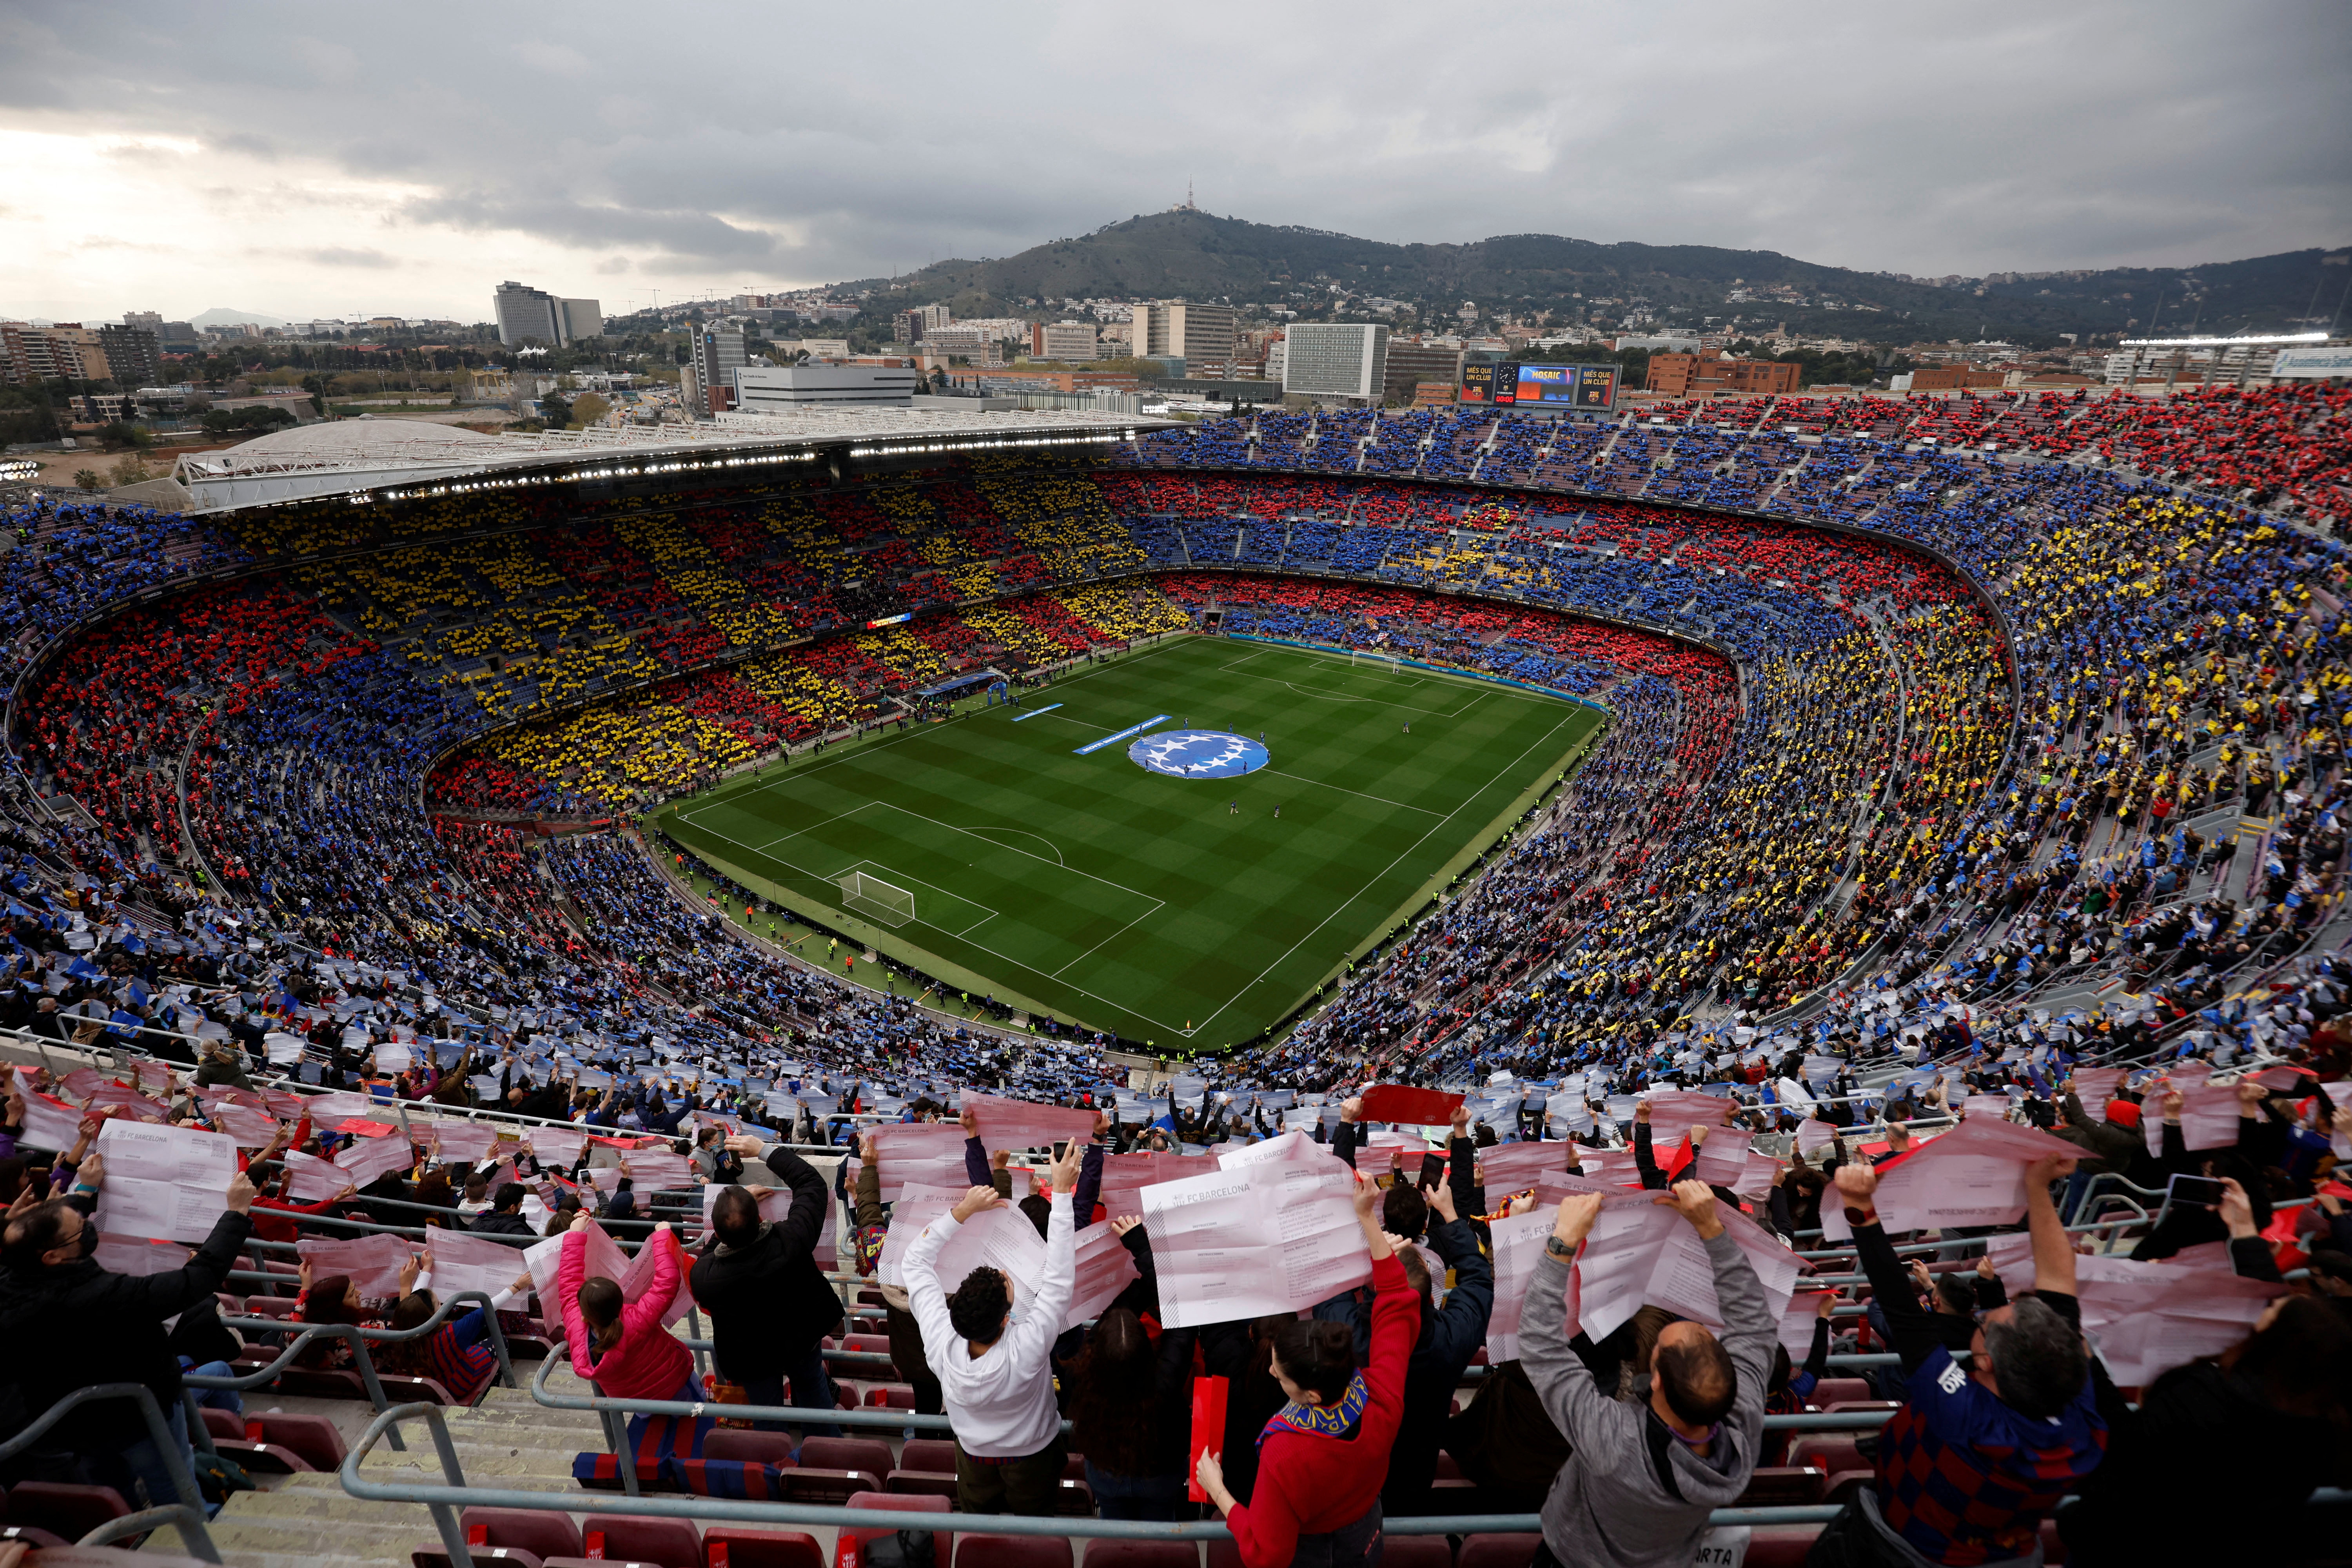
1198, 754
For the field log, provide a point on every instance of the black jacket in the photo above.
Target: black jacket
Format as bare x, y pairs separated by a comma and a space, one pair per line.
91, 1325
768, 1300
494, 1222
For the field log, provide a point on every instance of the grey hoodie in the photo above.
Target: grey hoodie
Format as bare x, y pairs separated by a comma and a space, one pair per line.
1607, 1506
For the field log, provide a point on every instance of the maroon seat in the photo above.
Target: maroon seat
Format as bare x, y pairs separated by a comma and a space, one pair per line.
1828, 1452
223, 1423
944, 1546
1416, 1551
313, 1437
1074, 1466
265, 1458
927, 1454
740, 1546
1511, 1551
671, 1542
507, 1556
32, 1535
1105, 1554
828, 1488
71, 1511
409, 1390
1022, 1552
921, 1483
760, 1447
1840, 1487
1832, 1388
1077, 1499
1783, 1486
893, 1395
595, 1562
269, 1307
869, 1454
543, 1535
311, 1383
870, 1345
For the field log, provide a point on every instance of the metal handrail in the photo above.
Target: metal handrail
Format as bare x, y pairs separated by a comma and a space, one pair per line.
187, 1515
357, 1337
444, 1501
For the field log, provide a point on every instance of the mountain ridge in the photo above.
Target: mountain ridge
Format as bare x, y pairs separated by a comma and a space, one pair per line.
1185, 253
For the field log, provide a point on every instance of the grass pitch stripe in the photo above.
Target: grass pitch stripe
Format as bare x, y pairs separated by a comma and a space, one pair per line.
1033, 712
1127, 733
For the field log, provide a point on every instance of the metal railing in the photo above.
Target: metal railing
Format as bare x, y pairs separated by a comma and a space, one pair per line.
187, 1516
357, 1337
444, 1501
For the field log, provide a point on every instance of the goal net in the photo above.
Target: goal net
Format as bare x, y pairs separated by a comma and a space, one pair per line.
1378, 658
877, 899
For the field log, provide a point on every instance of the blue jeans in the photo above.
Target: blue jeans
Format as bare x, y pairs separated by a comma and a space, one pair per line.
139, 1471
812, 1389
1135, 1497
225, 1399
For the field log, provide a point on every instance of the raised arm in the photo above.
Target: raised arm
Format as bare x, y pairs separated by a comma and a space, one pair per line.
1908, 1324
1562, 1381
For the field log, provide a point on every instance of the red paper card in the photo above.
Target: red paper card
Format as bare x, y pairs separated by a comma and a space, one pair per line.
1208, 1431
1416, 1107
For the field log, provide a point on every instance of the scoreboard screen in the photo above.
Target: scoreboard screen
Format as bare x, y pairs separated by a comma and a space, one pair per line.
1565, 385
1478, 385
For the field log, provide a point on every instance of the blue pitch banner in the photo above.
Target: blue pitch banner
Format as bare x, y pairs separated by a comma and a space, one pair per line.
1019, 718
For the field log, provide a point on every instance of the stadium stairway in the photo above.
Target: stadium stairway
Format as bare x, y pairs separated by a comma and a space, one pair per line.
307, 1520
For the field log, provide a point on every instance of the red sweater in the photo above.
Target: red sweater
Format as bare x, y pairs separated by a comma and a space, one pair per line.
1309, 1484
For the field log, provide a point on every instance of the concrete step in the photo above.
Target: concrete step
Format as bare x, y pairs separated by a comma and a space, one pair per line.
481, 1466
242, 1541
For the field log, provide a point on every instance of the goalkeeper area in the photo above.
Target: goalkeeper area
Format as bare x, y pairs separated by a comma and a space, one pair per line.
1020, 852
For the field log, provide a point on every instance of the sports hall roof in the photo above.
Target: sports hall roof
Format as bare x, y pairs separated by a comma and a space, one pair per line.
392, 459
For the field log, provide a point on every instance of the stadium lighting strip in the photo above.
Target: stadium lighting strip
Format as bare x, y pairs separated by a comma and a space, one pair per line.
976, 445
571, 476
18, 467
2222, 343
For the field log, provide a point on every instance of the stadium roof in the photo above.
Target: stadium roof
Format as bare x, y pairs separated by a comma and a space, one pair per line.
392, 459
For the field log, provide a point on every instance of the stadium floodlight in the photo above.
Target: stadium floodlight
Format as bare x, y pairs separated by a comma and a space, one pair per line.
877, 900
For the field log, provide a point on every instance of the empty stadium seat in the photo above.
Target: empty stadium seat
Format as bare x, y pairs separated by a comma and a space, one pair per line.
1025, 1551
1831, 1389
1416, 1552
742, 1546
944, 1545
1513, 1550
71, 1511
1779, 1545
671, 1542
544, 1535
869, 1454
928, 1454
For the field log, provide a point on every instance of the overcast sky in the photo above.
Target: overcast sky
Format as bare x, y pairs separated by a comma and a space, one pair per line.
306, 159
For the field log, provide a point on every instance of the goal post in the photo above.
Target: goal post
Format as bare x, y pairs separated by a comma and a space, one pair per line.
1380, 658
877, 900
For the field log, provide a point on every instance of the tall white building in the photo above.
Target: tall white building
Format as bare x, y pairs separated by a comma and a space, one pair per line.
717, 354
1335, 358
524, 312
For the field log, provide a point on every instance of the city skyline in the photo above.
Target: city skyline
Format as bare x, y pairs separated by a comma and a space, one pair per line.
295, 163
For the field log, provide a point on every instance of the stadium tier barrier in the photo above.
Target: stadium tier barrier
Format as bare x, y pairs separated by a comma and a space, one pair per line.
187, 1516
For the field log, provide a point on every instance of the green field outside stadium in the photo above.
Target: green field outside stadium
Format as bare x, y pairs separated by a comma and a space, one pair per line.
1129, 901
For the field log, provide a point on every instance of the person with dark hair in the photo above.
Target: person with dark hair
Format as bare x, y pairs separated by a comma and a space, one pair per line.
504, 1216
996, 1368
457, 1354
770, 1305
2259, 1425
621, 1346
1642, 1476
336, 1299
1978, 1456
1323, 1457
73, 1323
1130, 1414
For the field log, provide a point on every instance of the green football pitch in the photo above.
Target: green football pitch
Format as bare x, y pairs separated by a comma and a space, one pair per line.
1110, 896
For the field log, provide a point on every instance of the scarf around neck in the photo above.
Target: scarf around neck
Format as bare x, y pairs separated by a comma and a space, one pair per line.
1321, 1420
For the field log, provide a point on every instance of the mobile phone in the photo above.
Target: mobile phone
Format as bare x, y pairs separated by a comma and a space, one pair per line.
1060, 1148
2197, 1191
1432, 1171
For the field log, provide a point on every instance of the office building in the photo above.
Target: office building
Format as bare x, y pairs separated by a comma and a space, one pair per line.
532, 315
718, 355
1073, 342
1410, 365
1202, 336
133, 358
1701, 375
775, 389
151, 320
1336, 359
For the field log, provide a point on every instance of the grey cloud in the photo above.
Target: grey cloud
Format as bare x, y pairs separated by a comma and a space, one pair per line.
784, 144
338, 255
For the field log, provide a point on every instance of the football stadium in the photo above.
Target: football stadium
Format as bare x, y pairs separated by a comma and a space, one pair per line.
499, 837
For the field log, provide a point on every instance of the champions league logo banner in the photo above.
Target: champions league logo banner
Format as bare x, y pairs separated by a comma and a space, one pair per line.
1198, 754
